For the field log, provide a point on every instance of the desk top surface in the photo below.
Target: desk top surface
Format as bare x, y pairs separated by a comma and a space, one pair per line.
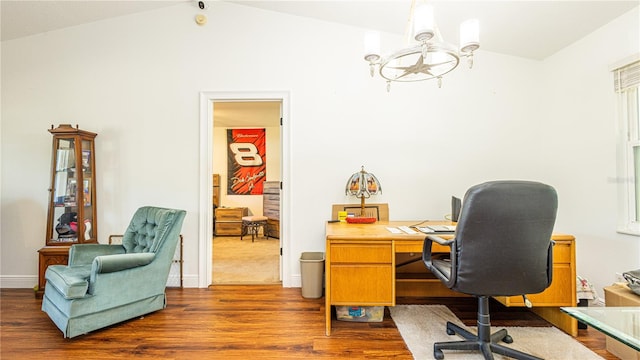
379, 231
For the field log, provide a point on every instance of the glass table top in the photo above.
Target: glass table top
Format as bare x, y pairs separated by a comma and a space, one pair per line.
621, 323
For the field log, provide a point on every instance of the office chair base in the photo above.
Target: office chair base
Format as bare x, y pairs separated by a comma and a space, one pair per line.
473, 342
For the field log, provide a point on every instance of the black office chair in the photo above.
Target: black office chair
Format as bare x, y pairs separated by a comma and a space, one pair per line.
502, 247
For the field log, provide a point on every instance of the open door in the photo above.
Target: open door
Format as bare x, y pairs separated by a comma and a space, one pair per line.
235, 261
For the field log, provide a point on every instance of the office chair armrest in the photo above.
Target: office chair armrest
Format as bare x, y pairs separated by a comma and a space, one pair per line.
440, 240
426, 247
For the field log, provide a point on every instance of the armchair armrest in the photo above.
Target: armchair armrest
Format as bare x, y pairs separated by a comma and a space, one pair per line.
83, 254
112, 263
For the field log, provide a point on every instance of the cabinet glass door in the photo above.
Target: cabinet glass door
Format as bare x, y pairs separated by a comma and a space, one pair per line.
65, 193
88, 197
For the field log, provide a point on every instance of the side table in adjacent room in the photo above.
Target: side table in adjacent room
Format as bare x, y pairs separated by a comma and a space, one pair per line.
252, 225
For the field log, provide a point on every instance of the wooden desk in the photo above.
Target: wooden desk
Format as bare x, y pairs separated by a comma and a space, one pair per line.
361, 269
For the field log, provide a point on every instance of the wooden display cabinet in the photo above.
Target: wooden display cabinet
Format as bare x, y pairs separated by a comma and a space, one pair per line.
72, 206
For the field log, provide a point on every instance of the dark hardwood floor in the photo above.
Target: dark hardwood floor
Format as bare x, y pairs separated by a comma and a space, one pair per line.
232, 322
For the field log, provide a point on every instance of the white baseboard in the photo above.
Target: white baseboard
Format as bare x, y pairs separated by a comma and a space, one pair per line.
18, 281
296, 280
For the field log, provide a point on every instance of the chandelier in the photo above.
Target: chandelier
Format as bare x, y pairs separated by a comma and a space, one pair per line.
429, 56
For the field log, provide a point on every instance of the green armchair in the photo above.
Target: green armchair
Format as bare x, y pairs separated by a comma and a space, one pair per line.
106, 284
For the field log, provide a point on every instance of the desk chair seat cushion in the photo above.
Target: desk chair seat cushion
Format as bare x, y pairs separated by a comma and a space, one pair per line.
442, 267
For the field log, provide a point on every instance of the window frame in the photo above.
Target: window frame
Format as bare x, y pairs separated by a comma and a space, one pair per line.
628, 114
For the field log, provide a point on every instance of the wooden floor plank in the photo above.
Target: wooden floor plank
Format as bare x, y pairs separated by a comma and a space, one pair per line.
230, 322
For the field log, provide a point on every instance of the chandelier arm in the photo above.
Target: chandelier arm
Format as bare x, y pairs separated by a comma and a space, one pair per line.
404, 74
432, 57
409, 25
443, 63
398, 67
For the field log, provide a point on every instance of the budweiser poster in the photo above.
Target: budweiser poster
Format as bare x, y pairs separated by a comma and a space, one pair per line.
247, 168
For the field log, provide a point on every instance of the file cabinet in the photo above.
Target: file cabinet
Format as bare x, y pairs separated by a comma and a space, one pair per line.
271, 208
229, 221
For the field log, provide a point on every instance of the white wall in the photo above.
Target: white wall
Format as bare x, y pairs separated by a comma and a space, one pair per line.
581, 109
135, 81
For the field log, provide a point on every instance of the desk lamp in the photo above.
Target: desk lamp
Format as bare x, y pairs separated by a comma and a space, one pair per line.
363, 184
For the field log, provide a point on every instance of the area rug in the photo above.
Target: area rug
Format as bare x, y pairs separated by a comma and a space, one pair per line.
423, 325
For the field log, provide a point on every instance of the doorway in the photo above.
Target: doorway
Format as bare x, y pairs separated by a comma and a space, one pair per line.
208, 102
246, 259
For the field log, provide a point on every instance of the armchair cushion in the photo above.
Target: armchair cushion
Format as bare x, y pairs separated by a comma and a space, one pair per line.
71, 281
112, 263
83, 254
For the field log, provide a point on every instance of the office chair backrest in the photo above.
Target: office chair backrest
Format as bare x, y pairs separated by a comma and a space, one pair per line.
503, 239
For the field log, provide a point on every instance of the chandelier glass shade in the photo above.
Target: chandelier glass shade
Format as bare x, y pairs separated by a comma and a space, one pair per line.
428, 56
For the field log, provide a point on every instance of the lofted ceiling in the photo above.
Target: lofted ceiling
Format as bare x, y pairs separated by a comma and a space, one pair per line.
529, 29
20, 18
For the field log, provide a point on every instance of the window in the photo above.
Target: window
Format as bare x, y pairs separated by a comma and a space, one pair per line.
626, 83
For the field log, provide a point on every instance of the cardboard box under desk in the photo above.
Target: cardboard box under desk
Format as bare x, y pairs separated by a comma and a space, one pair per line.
620, 295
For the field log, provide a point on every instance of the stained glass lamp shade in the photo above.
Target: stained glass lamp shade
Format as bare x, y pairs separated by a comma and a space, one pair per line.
362, 185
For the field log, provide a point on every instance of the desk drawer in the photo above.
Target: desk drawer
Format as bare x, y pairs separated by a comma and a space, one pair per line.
361, 253
362, 285
562, 253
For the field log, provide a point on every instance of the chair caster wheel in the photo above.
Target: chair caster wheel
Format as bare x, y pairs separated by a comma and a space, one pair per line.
438, 354
508, 339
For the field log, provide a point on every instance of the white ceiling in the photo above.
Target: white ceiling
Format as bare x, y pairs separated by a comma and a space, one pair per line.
530, 29
19, 18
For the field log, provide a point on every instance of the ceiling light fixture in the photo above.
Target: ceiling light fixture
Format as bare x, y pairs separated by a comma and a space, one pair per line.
429, 56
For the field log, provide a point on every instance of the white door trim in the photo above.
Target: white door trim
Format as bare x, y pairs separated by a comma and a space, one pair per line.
207, 98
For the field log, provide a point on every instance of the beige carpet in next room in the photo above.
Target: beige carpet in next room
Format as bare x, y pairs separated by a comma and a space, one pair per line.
238, 261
